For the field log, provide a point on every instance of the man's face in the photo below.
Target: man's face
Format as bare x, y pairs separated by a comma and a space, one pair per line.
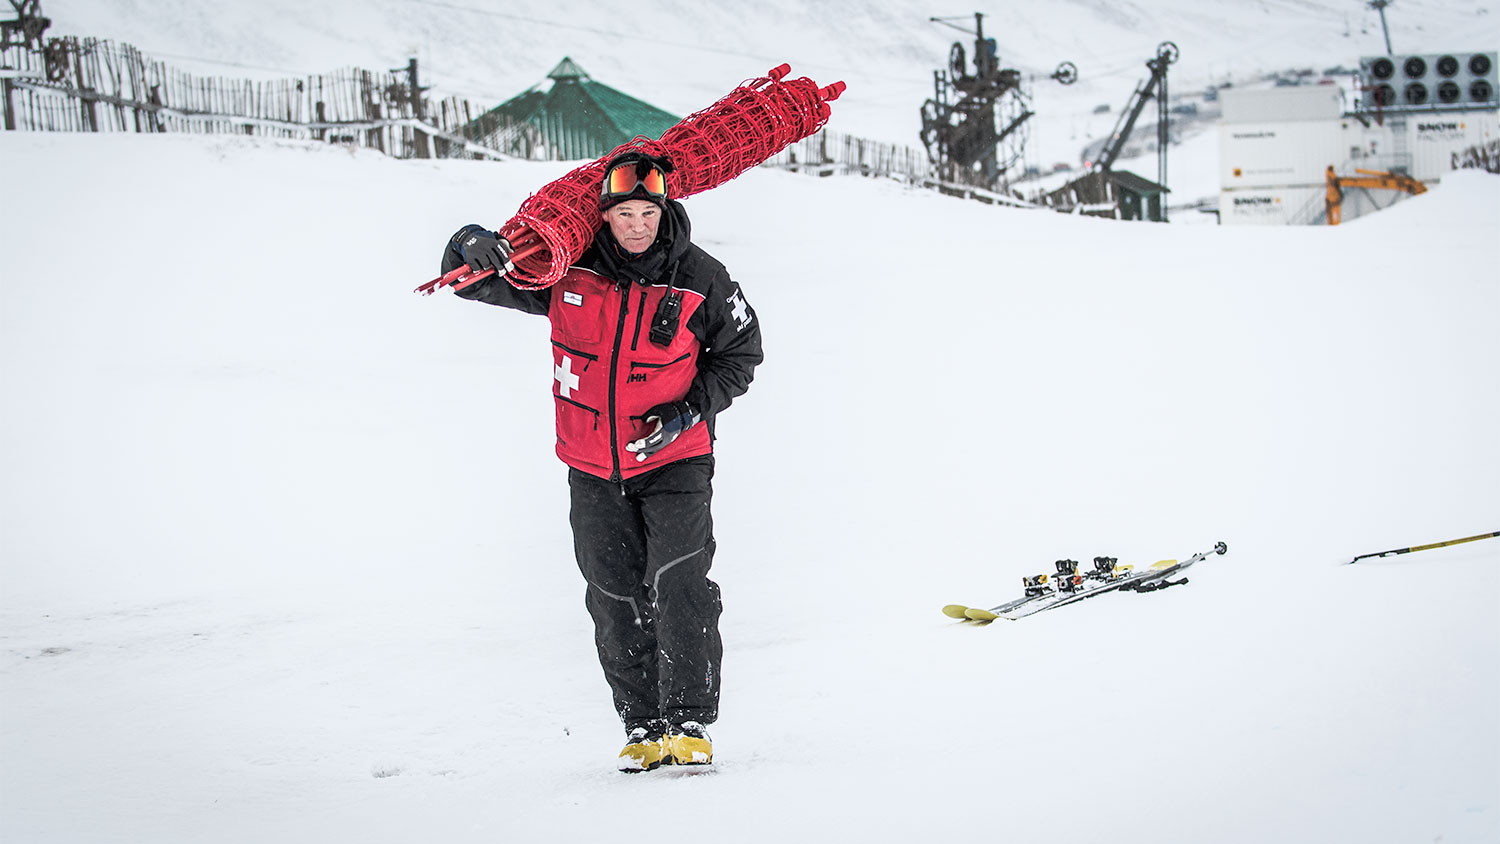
634, 224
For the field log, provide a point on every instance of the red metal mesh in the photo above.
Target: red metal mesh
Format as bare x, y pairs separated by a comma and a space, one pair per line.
707, 148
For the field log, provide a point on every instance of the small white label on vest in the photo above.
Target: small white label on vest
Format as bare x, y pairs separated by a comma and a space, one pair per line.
572, 298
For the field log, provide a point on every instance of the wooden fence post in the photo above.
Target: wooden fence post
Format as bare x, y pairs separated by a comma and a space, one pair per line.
10, 111
90, 107
421, 140
370, 99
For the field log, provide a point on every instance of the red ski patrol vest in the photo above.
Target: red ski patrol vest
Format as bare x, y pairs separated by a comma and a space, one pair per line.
606, 373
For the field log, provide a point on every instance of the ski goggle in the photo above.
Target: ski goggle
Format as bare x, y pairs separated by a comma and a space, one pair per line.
623, 181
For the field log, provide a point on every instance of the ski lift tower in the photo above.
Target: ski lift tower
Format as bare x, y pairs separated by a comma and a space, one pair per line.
1123, 194
1153, 88
26, 30
973, 125
1379, 6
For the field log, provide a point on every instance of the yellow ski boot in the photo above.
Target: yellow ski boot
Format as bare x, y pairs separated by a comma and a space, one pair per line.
643, 751
688, 744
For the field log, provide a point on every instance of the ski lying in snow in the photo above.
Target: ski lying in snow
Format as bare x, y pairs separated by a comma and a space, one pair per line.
1110, 578
1036, 588
1106, 576
1155, 577
1069, 586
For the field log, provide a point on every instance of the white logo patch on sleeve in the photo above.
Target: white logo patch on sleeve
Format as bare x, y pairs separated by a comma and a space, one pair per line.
572, 298
740, 310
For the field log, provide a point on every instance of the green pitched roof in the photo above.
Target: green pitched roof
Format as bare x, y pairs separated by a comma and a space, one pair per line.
567, 69
573, 118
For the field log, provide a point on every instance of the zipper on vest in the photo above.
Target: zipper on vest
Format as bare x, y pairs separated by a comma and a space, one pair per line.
614, 370
585, 356
639, 365
580, 406
638, 314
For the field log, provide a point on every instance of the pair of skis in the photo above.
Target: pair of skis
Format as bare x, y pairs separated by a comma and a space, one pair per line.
1069, 586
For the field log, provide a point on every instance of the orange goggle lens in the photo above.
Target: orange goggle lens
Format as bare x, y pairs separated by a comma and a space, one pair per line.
623, 181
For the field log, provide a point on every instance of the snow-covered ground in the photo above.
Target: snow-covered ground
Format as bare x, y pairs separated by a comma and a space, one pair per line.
284, 552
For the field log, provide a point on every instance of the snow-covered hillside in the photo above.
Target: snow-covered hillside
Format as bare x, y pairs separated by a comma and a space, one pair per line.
284, 552
684, 55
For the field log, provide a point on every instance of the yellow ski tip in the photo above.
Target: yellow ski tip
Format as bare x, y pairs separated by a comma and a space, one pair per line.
955, 611
1163, 564
978, 614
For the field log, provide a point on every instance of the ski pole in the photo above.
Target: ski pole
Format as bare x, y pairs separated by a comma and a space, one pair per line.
1425, 547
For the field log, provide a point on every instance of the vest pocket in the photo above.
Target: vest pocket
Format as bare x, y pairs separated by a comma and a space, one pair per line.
640, 370
578, 317
635, 364
586, 357
577, 424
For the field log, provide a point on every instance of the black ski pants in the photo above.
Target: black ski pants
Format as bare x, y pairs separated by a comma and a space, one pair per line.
645, 546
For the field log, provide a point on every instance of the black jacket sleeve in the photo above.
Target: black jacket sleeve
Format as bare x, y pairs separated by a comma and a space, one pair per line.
493, 290
729, 333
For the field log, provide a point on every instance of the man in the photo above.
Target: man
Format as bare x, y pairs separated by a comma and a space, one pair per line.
650, 341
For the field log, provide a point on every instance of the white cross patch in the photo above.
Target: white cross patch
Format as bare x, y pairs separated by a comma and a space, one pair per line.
563, 375
739, 309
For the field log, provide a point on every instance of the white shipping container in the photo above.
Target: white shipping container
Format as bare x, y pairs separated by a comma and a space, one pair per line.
1433, 139
1272, 206
1282, 105
1299, 206
1255, 155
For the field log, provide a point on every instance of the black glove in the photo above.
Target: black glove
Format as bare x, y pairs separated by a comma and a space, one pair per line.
671, 418
483, 250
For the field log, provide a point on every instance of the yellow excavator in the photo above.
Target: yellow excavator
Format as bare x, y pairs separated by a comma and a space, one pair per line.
1366, 179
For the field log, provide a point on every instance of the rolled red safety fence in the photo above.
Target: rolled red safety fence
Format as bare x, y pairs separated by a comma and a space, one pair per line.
707, 148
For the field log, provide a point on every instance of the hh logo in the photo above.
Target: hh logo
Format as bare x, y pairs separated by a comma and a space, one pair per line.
636, 378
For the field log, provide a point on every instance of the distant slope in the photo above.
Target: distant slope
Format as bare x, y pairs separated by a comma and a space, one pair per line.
682, 55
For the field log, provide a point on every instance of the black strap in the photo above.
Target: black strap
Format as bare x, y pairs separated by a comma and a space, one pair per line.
668, 317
